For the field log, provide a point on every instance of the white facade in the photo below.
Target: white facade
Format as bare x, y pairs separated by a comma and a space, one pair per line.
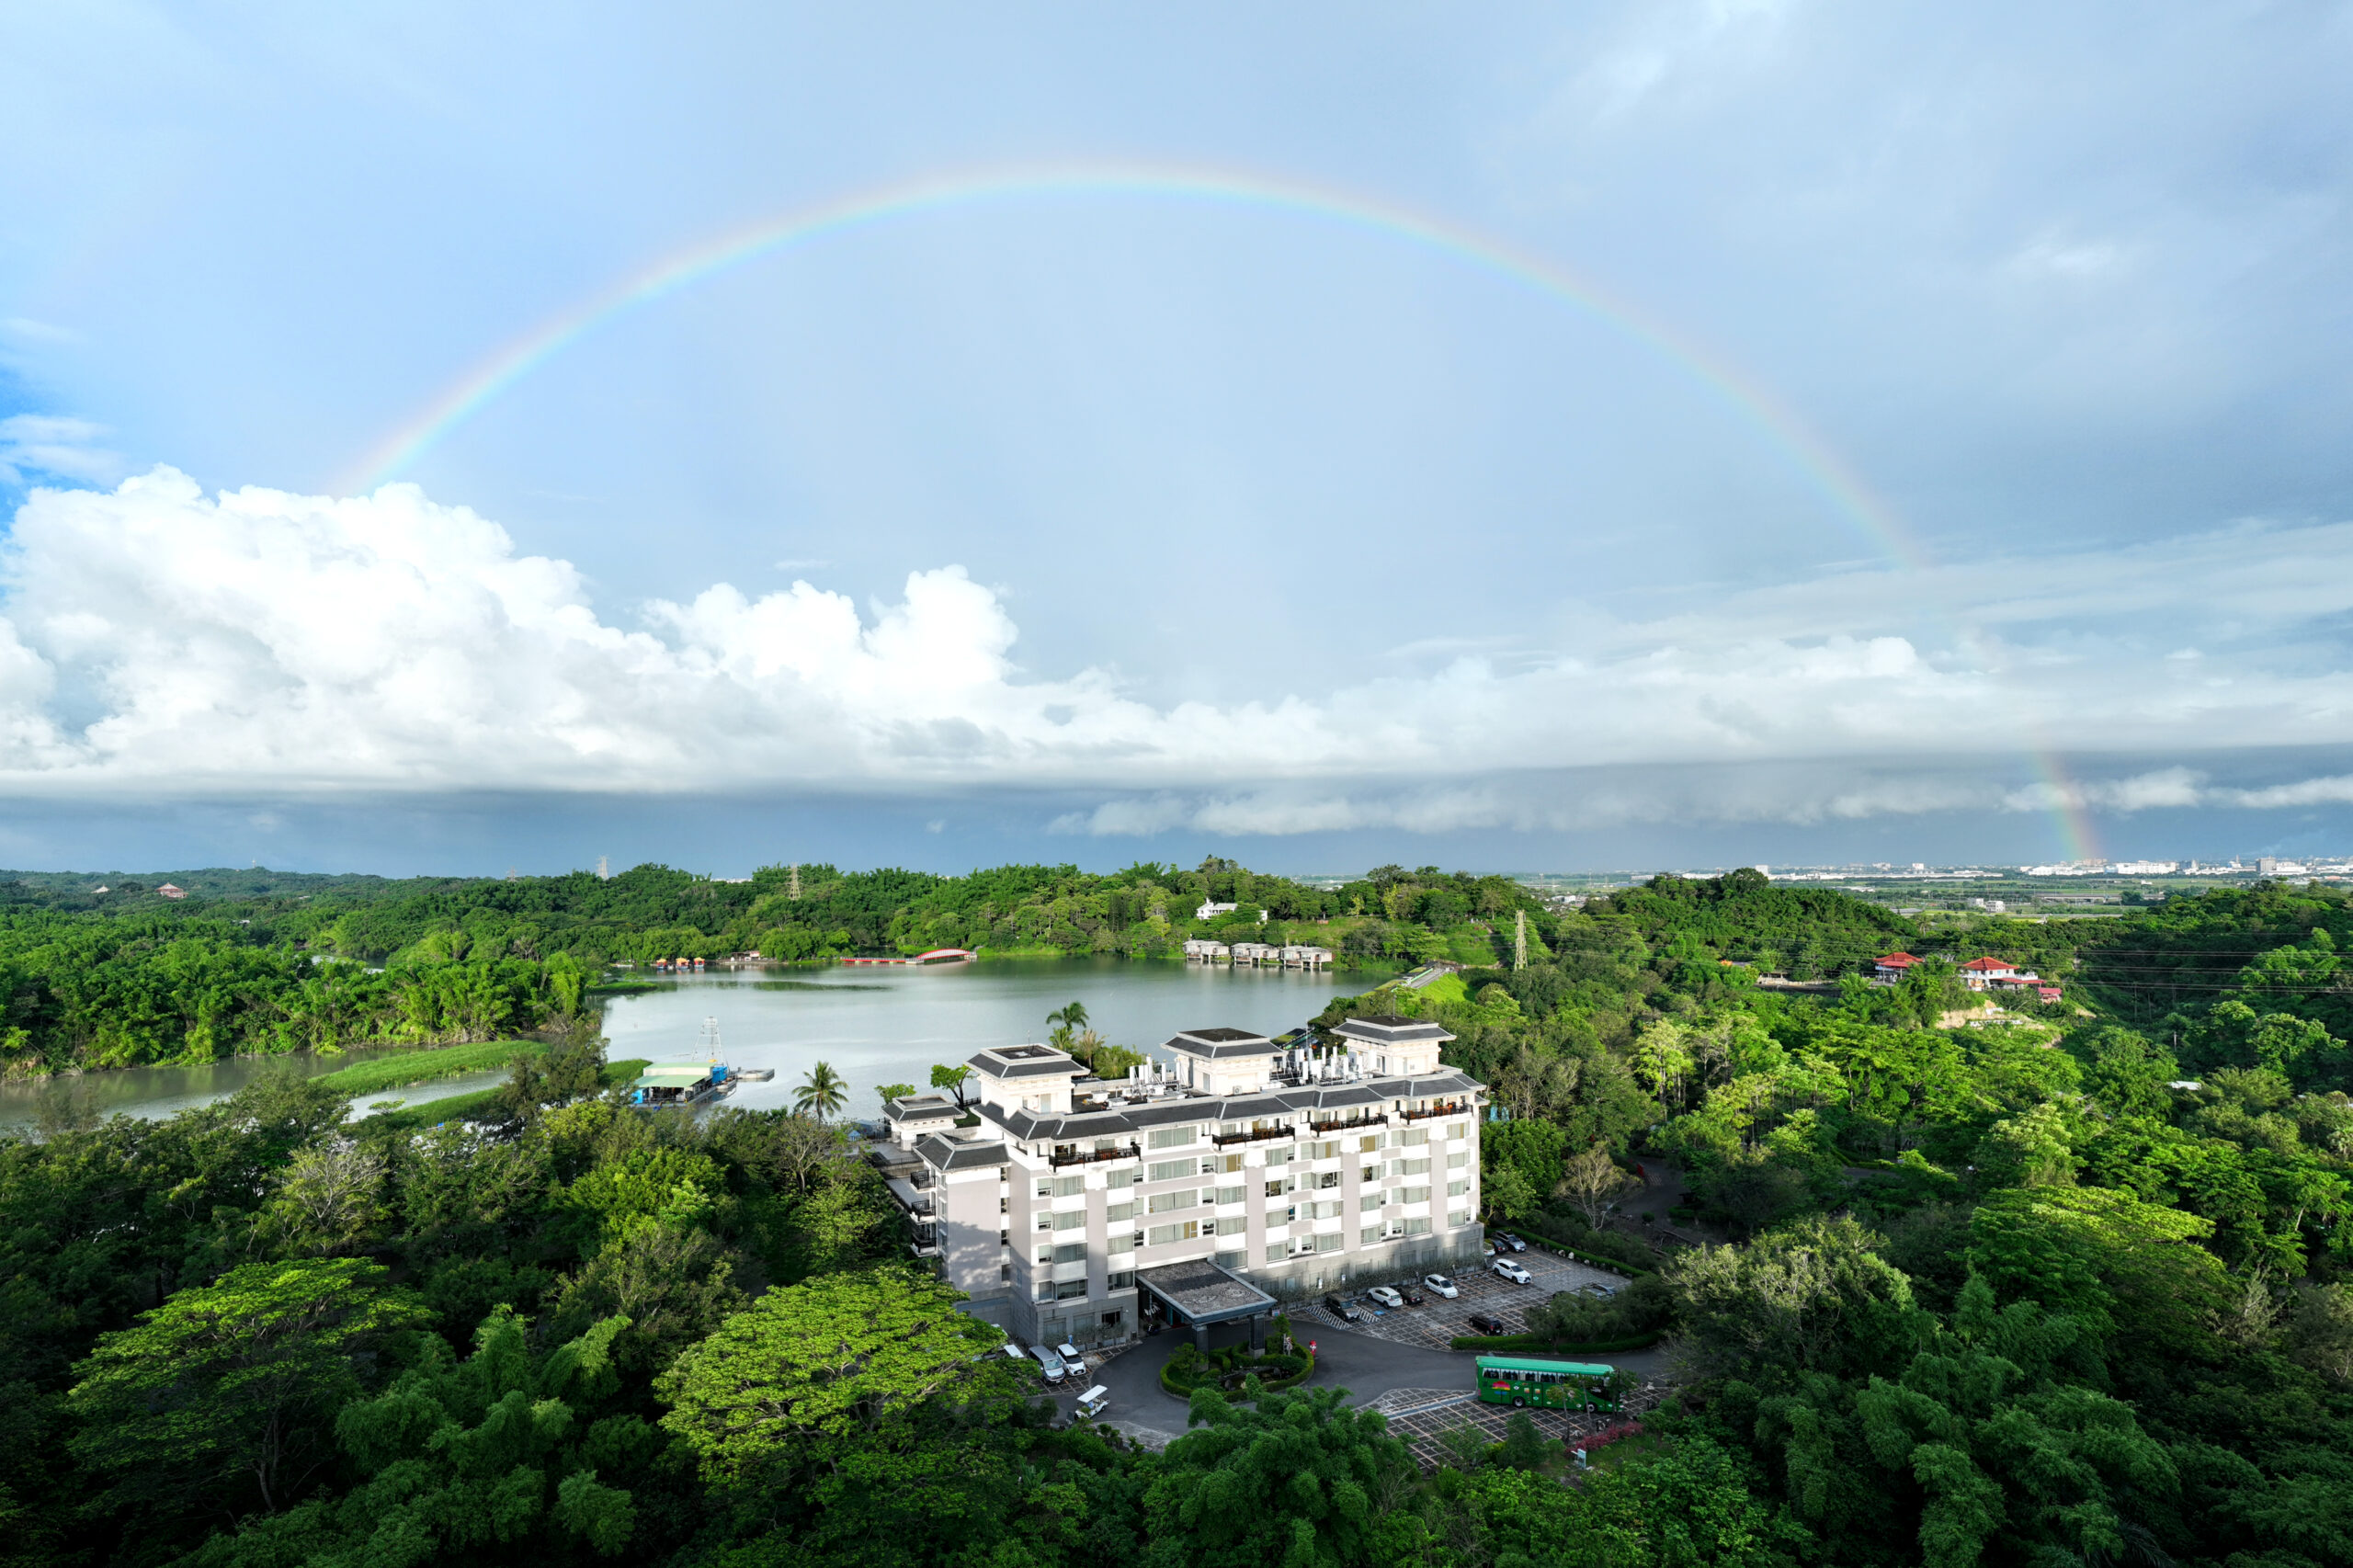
1296, 1168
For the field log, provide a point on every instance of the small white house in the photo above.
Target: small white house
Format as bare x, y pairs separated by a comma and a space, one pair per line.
1209, 911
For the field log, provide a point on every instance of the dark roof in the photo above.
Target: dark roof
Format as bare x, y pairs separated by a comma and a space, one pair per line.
1178, 1111
1222, 1044
1388, 1028
1023, 1061
920, 1107
1202, 1292
955, 1155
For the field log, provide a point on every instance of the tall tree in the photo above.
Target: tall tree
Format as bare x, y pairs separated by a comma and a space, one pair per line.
821, 1092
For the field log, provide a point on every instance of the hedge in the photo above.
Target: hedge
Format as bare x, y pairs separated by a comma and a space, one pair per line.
1502, 1342
1211, 1377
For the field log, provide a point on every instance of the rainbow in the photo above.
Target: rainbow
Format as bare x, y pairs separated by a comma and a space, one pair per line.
1744, 397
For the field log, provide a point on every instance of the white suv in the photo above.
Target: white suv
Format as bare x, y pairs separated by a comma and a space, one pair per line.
1385, 1296
1504, 1269
1439, 1285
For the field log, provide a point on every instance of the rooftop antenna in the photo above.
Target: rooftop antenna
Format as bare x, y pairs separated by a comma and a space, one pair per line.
604, 870
710, 1039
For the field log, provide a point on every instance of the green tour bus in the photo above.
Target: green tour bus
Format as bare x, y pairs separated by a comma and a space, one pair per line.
1549, 1385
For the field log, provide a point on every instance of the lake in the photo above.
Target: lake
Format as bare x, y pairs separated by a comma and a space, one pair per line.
873, 1026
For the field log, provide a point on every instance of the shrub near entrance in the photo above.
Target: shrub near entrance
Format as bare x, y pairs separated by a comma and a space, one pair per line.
1227, 1369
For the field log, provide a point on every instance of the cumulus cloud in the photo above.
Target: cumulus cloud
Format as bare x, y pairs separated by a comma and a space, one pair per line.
157, 639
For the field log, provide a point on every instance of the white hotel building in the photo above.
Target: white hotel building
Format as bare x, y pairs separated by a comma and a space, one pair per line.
1250, 1172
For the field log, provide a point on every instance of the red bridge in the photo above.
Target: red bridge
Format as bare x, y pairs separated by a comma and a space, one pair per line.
937, 955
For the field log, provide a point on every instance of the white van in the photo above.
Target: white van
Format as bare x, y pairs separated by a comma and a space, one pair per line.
1050, 1363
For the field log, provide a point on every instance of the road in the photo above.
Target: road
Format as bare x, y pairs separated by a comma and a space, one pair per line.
1366, 1366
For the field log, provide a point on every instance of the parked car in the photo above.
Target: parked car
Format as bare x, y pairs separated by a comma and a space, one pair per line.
1413, 1296
1054, 1366
1504, 1269
1599, 1291
1487, 1323
1341, 1310
1071, 1361
1382, 1295
1514, 1243
1489, 1250
1439, 1285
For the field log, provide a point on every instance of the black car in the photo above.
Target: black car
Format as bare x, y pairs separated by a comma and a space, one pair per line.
1342, 1309
1413, 1296
1484, 1323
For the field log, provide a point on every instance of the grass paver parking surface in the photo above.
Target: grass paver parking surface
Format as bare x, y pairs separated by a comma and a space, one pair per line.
1437, 1323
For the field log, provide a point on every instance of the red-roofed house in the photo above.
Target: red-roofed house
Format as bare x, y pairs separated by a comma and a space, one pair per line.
1892, 966
1978, 974
167, 891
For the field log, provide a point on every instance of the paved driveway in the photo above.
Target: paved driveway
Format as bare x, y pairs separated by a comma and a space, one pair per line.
1367, 1366
1438, 1322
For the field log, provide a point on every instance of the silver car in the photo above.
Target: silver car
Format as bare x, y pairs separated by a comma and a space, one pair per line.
1049, 1362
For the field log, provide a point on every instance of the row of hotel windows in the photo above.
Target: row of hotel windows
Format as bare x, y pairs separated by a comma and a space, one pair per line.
1178, 1170
1277, 1252
1187, 1197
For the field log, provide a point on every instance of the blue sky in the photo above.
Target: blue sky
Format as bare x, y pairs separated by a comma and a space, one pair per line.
1125, 522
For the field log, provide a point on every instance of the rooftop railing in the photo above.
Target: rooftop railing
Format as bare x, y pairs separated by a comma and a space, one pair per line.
1352, 1121
1256, 1135
1062, 1157
1457, 1109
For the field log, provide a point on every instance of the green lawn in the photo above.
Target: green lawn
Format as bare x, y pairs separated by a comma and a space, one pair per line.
458, 1107
424, 1066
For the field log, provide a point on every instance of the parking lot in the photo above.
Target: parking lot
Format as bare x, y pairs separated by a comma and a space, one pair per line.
1438, 1321
1421, 1416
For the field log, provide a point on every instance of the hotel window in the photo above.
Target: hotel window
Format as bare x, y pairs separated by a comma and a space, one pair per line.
1279, 1186
1457, 1218
1071, 1251
1414, 1194
1458, 1159
1045, 1187
1458, 1188
1232, 1225
1409, 1167
1071, 1220
1226, 1163
1278, 1252
1369, 1201
1329, 1243
1120, 1280
1070, 1289
1328, 1150
1420, 1227
1045, 1255
1070, 1185
1367, 1145
1174, 1170
1280, 1154
1120, 1211
1228, 1194
1163, 1202
1330, 1211
1412, 1137
1161, 1235
1171, 1136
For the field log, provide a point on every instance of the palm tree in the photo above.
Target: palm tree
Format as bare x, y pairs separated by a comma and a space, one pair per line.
1073, 1017
823, 1092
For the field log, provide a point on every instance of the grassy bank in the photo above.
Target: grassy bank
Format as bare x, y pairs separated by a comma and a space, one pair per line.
459, 1108
424, 1066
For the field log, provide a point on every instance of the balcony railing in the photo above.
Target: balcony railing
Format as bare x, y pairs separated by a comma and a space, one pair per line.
1062, 1157
1256, 1135
1352, 1122
1455, 1110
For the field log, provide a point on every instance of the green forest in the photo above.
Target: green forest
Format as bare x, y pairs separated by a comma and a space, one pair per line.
2066, 1283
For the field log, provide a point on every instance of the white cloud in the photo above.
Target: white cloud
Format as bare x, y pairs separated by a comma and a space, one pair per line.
159, 641
59, 447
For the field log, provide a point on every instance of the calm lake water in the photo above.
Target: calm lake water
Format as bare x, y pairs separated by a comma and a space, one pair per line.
877, 1026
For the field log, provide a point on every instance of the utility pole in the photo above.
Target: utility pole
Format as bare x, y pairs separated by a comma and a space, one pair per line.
604, 868
1520, 938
